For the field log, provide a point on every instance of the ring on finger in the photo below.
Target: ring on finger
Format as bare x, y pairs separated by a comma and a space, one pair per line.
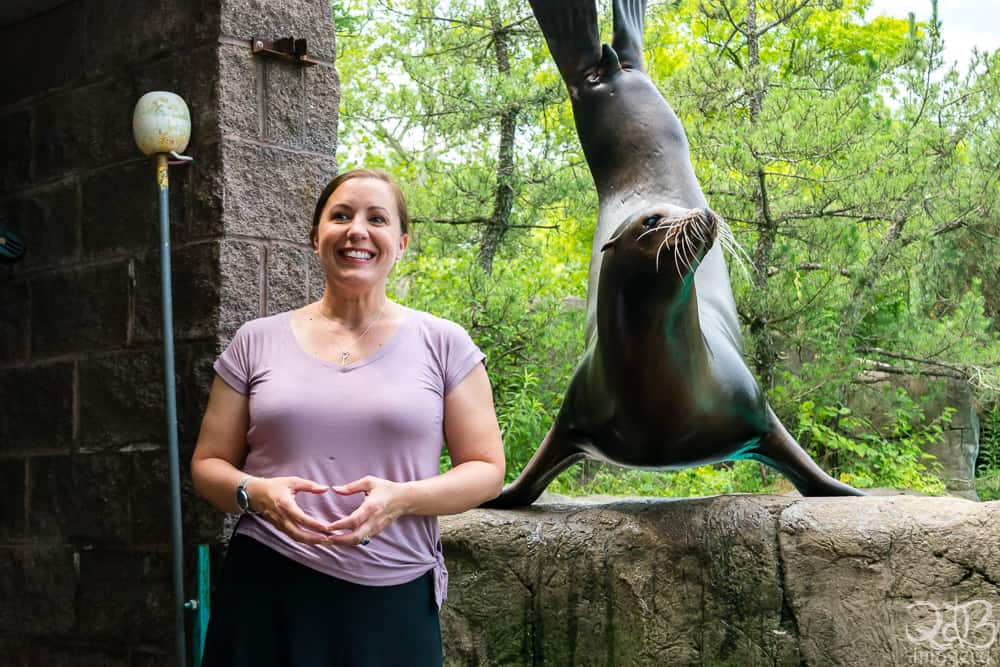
365, 541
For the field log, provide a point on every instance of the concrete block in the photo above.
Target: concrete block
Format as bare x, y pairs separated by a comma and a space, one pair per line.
122, 400
70, 653
284, 104
196, 293
287, 282
174, 73
11, 592
322, 104
141, 608
13, 651
45, 52
121, 33
239, 268
203, 200
195, 375
238, 113
48, 220
12, 500
80, 310
317, 278
15, 146
84, 128
81, 498
50, 590
313, 21
270, 193
114, 225
15, 329
149, 496
38, 408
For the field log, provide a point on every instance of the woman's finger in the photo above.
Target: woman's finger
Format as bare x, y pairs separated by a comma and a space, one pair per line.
300, 518
352, 520
300, 484
360, 536
306, 537
363, 485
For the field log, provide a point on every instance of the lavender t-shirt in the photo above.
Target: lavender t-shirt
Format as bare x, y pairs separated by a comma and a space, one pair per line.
333, 424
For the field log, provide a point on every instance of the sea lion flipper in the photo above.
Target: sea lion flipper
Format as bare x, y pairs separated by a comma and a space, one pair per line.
629, 24
779, 450
570, 29
557, 452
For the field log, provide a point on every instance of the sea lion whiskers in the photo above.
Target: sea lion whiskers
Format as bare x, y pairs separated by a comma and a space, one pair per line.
731, 246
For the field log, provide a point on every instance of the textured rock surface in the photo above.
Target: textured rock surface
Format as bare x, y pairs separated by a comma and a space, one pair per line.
729, 580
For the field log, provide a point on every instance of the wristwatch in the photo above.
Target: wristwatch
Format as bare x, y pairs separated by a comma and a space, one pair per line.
242, 499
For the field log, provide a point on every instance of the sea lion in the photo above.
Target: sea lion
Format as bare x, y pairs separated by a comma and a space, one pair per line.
663, 383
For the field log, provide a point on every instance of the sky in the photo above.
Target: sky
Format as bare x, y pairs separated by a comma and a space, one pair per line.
964, 23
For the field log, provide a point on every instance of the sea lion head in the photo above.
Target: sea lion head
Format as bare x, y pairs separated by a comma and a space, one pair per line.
604, 77
664, 239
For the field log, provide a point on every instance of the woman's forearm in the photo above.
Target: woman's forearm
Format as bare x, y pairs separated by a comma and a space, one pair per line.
216, 480
465, 486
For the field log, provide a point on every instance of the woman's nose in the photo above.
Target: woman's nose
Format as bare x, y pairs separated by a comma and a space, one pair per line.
358, 227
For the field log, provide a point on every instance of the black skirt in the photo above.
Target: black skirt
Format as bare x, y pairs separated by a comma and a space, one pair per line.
272, 611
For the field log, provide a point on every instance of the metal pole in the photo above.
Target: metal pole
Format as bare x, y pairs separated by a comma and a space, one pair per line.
176, 531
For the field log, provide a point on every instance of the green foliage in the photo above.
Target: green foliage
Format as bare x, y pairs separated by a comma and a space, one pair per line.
850, 447
988, 462
860, 175
592, 478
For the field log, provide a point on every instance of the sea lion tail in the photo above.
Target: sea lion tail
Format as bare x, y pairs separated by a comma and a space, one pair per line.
629, 24
570, 30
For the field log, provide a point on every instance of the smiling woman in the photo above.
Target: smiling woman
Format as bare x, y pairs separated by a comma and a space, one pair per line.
324, 429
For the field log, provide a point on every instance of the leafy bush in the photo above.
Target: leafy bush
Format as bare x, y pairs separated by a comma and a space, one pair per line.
988, 462
851, 448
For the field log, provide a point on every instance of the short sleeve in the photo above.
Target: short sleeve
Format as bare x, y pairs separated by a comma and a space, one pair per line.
460, 355
234, 364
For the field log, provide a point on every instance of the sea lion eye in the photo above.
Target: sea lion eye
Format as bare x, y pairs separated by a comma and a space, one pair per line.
652, 220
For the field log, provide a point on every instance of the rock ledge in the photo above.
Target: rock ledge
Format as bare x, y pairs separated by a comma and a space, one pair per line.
726, 580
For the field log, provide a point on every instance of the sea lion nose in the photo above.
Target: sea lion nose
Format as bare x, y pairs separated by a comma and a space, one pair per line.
609, 59
710, 217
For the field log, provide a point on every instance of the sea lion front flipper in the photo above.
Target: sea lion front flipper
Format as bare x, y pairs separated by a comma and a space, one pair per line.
570, 29
556, 453
629, 24
779, 450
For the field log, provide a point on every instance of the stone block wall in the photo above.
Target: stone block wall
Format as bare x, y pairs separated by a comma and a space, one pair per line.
84, 502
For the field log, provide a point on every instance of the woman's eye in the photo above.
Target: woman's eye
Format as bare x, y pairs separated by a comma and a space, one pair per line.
338, 216
652, 220
378, 220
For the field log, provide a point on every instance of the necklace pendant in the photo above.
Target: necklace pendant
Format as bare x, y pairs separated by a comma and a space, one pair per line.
344, 356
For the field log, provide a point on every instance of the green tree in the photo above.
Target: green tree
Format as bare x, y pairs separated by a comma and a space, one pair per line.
857, 171
459, 101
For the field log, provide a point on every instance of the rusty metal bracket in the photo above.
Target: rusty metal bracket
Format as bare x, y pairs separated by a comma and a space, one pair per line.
286, 48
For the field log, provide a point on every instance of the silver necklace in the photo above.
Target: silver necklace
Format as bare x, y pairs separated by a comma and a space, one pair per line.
345, 355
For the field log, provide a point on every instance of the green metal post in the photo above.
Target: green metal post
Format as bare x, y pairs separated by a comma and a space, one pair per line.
176, 534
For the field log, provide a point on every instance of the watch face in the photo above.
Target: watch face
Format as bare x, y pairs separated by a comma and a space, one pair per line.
242, 500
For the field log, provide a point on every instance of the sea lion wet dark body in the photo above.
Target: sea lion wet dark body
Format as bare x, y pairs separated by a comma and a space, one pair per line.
663, 383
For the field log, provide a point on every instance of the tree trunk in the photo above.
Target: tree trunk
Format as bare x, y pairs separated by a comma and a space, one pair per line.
503, 200
765, 355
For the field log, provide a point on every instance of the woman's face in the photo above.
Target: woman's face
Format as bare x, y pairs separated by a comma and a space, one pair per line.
359, 236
